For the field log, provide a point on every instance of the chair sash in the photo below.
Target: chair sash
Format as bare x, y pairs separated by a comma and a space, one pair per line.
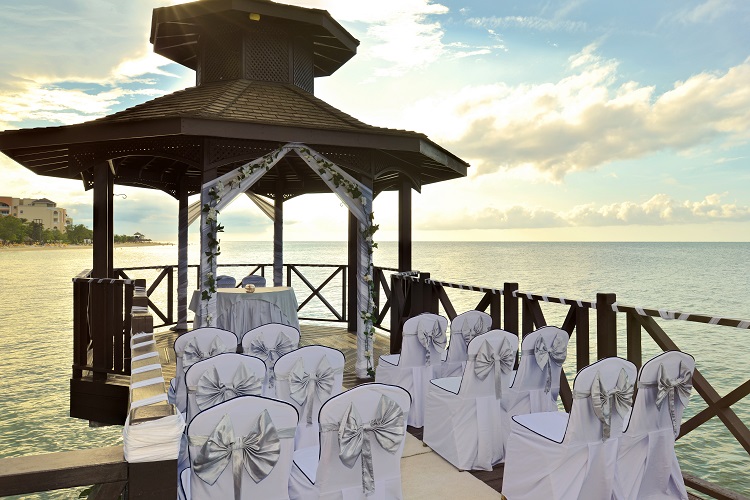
193, 353
667, 388
388, 427
471, 332
488, 360
305, 387
545, 357
211, 390
258, 451
619, 399
434, 338
259, 348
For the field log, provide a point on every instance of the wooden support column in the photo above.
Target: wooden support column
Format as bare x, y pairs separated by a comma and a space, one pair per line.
110, 220
182, 254
606, 325
404, 224
102, 253
278, 232
510, 304
353, 252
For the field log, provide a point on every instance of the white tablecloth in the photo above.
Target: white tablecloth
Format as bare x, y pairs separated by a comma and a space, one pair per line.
239, 311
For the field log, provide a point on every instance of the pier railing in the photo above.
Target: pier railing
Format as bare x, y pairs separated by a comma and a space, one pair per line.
521, 313
321, 288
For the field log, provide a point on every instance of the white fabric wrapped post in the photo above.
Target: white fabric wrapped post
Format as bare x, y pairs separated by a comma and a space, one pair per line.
270, 342
464, 328
241, 449
307, 378
153, 440
361, 442
423, 335
647, 465
463, 414
191, 347
555, 455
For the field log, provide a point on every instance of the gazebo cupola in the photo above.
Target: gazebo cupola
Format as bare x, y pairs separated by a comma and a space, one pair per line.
259, 41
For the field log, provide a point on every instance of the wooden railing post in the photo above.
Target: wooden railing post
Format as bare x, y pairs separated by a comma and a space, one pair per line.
170, 295
606, 325
398, 302
634, 340
495, 310
582, 337
511, 307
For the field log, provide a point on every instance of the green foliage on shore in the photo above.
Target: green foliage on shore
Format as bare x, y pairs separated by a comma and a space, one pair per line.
15, 230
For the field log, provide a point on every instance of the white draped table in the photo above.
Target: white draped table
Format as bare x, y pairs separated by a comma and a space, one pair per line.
240, 311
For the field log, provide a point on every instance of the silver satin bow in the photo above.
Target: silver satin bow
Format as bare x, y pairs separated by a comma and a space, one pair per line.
620, 398
258, 452
305, 387
667, 388
212, 390
388, 428
470, 333
499, 362
545, 357
282, 346
193, 353
433, 339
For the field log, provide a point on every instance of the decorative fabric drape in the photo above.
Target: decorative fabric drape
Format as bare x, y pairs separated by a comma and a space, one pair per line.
240, 180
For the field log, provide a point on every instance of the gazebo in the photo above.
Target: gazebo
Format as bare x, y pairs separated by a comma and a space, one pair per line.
255, 62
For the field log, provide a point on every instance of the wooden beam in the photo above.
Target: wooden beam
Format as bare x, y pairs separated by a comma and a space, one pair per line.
278, 232
404, 225
606, 325
182, 254
102, 199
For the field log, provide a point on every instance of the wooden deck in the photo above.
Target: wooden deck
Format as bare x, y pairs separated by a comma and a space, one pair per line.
339, 338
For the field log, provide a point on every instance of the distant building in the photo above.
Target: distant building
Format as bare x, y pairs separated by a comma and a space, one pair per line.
138, 237
42, 210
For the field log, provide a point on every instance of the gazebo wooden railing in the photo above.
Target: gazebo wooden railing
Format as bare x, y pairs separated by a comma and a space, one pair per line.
414, 293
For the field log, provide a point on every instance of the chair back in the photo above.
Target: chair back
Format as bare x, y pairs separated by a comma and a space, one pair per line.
269, 342
464, 328
201, 343
254, 279
532, 376
673, 371
602, 400
224, 281
307, 378
479, 377
221, 378
245, 416
426, 325
366, 400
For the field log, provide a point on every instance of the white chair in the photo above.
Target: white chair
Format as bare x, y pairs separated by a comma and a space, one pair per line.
224, 281
269, 342
221, 378
307, 378
556, 455
464, 328
194, 346
254, 279
369, 416
462, 414
647, 465
265, 428
423, 342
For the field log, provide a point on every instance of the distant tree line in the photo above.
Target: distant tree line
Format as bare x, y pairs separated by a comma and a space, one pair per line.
123, 238
15, 230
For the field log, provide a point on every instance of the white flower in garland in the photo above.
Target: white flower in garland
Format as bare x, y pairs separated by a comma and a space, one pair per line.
211, 214
219, 188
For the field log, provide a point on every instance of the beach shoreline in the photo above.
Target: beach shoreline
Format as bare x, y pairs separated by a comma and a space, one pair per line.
68, 246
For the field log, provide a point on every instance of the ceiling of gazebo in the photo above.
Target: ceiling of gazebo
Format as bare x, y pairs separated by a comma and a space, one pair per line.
221, 125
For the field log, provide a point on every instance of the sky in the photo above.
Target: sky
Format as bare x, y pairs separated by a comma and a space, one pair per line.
583, 120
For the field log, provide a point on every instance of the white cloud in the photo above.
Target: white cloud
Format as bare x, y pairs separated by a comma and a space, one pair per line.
708, 11
658, 210
528, 22
586, 119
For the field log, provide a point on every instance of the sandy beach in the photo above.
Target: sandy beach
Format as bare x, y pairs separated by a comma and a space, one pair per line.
66, 246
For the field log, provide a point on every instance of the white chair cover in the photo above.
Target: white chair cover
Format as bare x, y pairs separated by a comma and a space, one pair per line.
266, 429
647, 465
221, 378
224, 281
414, 367
199, 344
555, 455
463, 414
307, 378
254, 279
464, 328
372, 416
269, 342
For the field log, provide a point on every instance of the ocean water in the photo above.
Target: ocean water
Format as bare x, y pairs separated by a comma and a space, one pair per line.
711, 278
